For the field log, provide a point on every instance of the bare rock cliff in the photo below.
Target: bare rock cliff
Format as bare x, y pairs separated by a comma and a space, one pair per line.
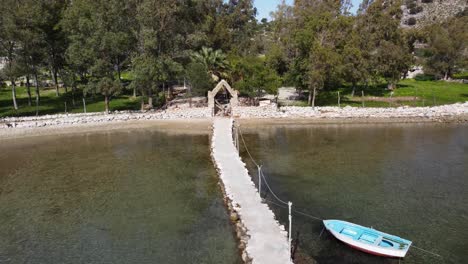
419, 13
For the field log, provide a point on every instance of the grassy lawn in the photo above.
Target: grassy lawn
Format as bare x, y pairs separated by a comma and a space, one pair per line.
422, 93
51, 104
427, 93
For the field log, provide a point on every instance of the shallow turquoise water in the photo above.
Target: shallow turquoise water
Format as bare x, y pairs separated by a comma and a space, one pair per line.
406, 180
122, 197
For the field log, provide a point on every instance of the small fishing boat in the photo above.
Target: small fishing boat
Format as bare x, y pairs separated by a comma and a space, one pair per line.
367, 239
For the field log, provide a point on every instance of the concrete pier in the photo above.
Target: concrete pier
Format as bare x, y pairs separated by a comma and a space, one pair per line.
265, 239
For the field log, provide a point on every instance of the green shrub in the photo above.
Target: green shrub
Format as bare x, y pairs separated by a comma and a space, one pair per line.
411, 5
424, 77
411, 21
461, 75
199, 78
416, 10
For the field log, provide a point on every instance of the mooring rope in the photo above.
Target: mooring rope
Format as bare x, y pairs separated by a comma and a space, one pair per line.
295, 211
427, 251
268, 186
323, 229
256, 164
245, 146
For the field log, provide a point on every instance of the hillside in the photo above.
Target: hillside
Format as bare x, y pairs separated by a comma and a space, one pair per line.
418, 13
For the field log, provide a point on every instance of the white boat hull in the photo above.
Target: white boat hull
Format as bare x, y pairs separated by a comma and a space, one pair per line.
371, 249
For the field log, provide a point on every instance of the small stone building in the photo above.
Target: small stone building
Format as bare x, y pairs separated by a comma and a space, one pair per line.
222, 98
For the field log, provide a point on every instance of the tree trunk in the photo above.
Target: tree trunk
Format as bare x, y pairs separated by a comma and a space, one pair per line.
28, 86
362, 98
13, 94
73, 95
38, 96
150, 102
84, 105
339, 99
313, 98
354, 90
150, 98
54, 74
190, 101
134, 92
446, 75
309, 101
106, 101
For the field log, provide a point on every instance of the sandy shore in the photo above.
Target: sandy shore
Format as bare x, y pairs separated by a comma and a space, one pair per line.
181, 126
203, 125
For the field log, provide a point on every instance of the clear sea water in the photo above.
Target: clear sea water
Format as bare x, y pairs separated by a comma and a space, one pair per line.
409, 180
141, 196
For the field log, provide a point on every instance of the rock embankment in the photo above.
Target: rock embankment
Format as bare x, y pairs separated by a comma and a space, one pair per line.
434, 113
444, 112
96, 118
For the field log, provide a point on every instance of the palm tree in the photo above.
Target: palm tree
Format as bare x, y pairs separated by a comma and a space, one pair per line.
214, 61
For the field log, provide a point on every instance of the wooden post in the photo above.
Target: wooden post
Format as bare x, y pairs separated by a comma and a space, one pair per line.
362, 98
65, 107
84, 105
391, 99
339, 99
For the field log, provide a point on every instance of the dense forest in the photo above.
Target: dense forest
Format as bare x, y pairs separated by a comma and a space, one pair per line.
103, 48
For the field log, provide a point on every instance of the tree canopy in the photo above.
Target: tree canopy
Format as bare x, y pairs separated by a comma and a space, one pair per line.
313, 45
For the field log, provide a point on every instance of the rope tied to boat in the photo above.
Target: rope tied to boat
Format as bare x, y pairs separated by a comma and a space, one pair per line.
427, 251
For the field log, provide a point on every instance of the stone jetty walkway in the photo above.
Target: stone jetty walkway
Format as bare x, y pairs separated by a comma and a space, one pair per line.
266, 240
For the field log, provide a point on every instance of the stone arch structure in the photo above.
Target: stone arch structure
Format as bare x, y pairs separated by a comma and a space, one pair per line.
234, 101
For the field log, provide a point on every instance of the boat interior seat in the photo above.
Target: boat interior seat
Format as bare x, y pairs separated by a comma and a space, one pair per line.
349, 232
368, 238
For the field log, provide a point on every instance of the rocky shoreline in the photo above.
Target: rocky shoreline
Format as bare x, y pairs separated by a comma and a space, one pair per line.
436, 112
454, 112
